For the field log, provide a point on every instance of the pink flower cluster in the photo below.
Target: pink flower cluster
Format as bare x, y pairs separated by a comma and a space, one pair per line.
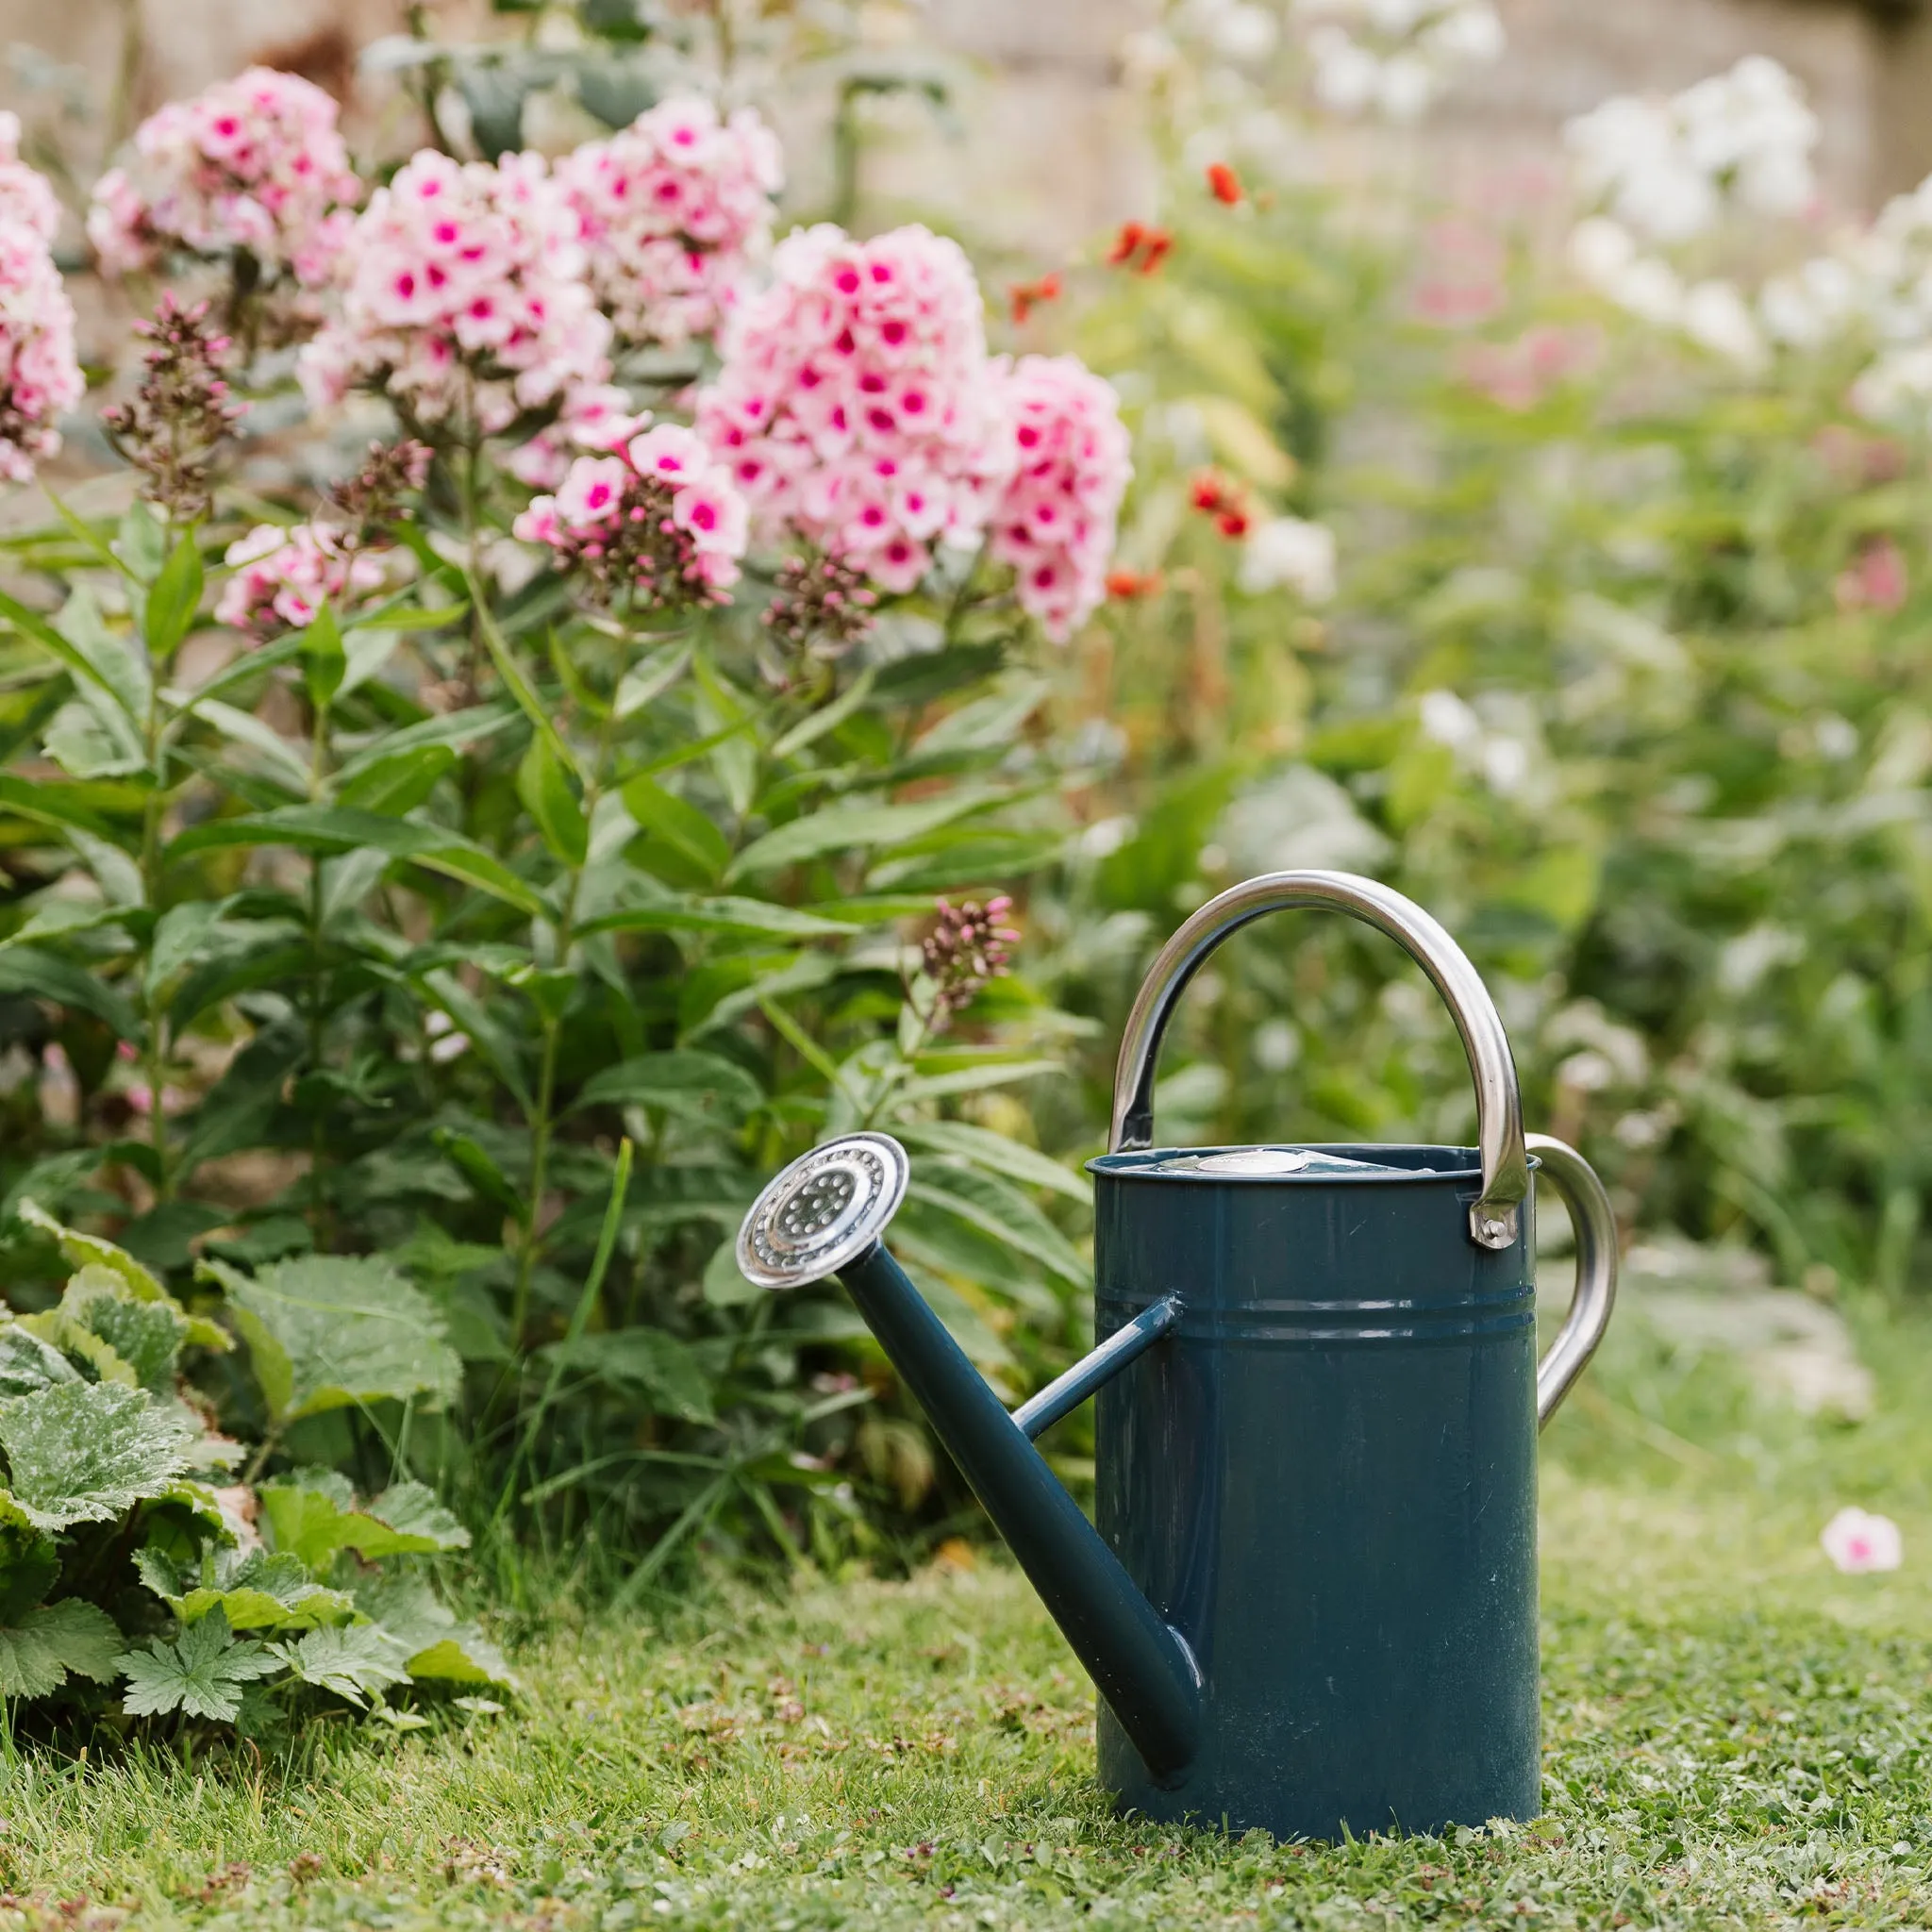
856, 406
26, 196
1056, 520
39, 376
657, 523
463, 296
252, 163
673, 213
283, 574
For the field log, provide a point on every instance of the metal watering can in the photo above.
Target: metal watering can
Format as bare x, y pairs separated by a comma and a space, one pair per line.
1310, 1600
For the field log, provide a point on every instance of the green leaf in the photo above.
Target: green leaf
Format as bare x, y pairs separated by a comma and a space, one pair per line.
88, 738
336, 828
31, 624
139, 544
89, 1251
354, 1660
259, 1590
974, 1080
331, 1331
983, 1148
482, 1172
551, 799
457, 729
40, 1650
1003, 1212
854, 826
27, 1362
693, 1085
45, 976
274, 757
325, 664
514, 682
398, 784
684, 913
651, 677
174, 598
200, 1672
87, 1452
123, 668
810, 729
49, 805
313, 1516
29, 1562
644, 1359
147, 1336
687, 833
438, 1648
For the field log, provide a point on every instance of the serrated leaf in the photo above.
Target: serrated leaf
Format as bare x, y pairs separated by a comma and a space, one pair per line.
89, 1250
85, 1452
332, 1331
312, 1517
437, 1646
145, 1336
202, 1672
702, 1086
856, 824
551, 802
260, 1591
354, 1660
28, 1361
42, 1648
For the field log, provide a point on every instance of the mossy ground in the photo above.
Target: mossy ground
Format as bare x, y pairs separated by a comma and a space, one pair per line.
1735, 1736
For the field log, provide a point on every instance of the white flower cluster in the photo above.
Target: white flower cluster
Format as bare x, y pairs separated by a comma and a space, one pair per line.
1663, 172
1665, 168
1393, 57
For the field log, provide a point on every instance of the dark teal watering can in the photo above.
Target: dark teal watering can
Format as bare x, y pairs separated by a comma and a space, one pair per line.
1311, 1601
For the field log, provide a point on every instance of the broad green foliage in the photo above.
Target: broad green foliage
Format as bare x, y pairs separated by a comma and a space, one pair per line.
123, 1574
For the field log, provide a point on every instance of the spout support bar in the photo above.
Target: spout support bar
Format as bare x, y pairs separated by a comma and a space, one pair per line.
1065, 1394
1138, 1663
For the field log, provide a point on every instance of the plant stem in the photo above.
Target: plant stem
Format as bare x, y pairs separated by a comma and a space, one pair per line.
542, 1121
318, 1134
155, 1059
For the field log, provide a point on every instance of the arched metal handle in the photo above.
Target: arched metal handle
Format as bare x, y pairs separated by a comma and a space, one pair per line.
1493, 1218
1595, 1228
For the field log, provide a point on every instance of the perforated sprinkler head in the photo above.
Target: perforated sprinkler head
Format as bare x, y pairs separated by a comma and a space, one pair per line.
822, 1212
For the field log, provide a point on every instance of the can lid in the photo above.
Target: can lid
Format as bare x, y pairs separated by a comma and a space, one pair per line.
1264, 1161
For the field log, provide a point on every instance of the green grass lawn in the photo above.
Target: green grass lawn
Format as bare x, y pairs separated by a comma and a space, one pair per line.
1734, 1735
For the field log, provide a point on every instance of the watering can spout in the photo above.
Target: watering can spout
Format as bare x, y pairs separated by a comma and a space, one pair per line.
824, 1216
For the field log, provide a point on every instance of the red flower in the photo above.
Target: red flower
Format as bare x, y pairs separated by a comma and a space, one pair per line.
1223, 183
1026, 296
1140, 247
1222, 500
1127, 586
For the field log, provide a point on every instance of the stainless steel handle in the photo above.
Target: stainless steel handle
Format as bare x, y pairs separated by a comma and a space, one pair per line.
1493, 1218
1595, 1294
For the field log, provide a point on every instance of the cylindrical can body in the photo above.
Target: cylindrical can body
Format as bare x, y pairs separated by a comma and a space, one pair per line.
1324, 1479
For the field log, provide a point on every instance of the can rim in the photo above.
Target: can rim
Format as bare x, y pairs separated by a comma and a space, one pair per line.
1142, 1163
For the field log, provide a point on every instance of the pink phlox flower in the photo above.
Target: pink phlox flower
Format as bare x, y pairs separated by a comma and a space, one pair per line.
675, 212
256, 163
659, 523
26, 195
463, 296
861, 354
40, 373
1859, 1541
282, 576
594, 416
1056, 519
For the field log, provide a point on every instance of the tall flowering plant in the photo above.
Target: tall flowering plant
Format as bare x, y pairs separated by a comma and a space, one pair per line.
491, 866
